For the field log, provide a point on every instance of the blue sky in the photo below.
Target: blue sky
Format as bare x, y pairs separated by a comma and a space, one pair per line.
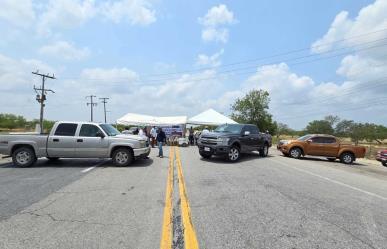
173, 57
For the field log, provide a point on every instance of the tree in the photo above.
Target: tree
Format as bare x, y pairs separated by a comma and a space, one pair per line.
333, 120
253, 109
11, 121
344, 128
283, 129
319, 127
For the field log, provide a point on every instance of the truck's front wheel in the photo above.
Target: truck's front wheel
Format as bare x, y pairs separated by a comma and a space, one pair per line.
122, 157
234, 154
23, 157
264, 152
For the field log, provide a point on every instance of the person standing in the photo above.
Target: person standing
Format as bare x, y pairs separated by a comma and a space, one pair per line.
141, 132
191, 136
126, 131
153, 135
136, 131
161, 138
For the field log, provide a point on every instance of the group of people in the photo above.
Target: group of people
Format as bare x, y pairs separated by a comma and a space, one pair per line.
156, 135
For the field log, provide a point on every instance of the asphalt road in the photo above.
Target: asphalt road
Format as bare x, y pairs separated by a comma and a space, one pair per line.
272, 202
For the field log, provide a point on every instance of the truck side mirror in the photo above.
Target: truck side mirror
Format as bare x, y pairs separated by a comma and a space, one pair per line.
246, 133
100, 134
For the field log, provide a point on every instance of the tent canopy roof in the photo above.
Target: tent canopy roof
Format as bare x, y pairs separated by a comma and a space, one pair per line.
139, 119
210, 117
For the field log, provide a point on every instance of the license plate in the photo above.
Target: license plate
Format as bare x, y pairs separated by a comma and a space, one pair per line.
207, 149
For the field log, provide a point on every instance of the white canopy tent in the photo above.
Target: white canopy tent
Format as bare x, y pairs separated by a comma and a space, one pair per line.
210, 117
139, 119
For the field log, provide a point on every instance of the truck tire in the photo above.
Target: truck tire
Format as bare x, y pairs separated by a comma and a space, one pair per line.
24, 157
122, 157
264, 151
384, 164
295, 152
53, 159
205, 155
234, 154
347, 158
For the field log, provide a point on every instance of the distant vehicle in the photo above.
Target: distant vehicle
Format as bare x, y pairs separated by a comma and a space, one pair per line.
381, 156
321, 145
231, 140
75, 140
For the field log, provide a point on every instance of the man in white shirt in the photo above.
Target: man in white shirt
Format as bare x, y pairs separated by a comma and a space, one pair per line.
153, 134
141, 132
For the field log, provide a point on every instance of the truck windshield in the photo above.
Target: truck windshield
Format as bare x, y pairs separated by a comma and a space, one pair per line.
229, 128
110, 130
303, 138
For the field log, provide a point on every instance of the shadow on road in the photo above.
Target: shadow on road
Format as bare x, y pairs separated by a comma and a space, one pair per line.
324, 160
244, 158
79, 163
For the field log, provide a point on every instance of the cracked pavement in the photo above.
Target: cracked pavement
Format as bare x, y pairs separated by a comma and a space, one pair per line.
272, 202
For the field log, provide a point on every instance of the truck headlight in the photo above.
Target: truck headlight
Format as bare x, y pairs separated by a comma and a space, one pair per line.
142, 143
223, 140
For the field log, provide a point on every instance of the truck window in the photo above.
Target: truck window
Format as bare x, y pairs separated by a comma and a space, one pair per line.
329, 140
253, 129
88, 130
318, 140
66, 129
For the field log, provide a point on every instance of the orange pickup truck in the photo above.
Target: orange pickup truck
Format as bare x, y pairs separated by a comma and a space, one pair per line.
321, 145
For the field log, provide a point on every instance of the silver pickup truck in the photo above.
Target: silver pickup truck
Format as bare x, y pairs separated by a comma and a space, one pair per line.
75, 140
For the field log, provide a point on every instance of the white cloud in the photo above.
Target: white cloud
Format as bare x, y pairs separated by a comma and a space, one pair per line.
64, 50
136, 12
218, 15
215, 34
65, 14
371, 20
210, 60
20, 13
214, 23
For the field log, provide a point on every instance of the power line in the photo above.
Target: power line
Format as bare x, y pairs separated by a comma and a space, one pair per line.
104, 101
41, 98
92, 104
331, 54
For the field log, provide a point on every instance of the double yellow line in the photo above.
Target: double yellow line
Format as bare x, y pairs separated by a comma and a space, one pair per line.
190, 241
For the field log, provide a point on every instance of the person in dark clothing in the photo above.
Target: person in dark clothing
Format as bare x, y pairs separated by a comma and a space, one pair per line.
136, 131
161, 138
191, 136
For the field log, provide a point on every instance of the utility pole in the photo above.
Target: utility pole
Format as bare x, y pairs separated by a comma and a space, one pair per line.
41, 97
92, 104
104, 101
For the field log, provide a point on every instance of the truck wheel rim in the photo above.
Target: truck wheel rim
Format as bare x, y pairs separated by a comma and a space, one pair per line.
233, 154
23, 157
347, 158
294, 153
121, 157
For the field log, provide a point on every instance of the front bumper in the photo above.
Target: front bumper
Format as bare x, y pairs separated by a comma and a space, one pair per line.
214, 149
142, 152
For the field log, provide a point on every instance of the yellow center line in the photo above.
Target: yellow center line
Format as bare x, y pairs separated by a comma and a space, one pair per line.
190, 241
166, 236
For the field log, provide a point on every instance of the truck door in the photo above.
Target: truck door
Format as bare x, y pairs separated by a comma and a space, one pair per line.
331, 147
257, 140
62, 142
315, 146
89, 143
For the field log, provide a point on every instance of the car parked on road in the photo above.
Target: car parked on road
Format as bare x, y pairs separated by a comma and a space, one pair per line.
231, 140
74, 140
381, 156
321, 145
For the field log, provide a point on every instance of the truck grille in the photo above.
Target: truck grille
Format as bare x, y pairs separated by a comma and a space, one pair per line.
209, 140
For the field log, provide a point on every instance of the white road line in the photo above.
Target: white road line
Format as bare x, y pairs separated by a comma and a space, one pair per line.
334, 181
88, 169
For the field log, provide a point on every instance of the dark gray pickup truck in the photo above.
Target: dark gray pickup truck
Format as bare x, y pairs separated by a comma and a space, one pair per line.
231, 140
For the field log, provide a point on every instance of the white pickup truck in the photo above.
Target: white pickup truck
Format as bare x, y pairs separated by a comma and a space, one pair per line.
75, 140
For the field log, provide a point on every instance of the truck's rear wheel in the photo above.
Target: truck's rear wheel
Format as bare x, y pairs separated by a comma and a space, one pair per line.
347, 158
122, 157
264, 151
23, 157
234, 154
